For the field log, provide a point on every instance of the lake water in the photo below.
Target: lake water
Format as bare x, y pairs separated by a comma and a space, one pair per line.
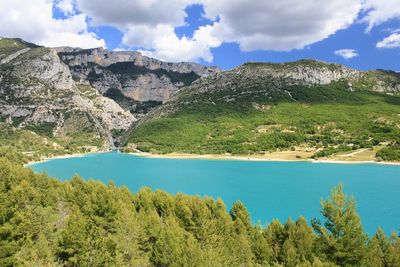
268, 189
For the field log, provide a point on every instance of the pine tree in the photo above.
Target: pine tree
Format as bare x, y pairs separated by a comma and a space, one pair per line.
341, 240
259, 246
275, 236
240, 217
393, 254
378, 248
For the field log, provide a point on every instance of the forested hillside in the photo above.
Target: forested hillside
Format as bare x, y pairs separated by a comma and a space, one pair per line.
45, 222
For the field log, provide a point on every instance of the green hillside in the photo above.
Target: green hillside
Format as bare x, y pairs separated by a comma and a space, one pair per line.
32, 142
250, 115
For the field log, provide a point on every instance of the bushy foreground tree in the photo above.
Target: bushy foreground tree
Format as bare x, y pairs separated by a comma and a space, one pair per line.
45, 222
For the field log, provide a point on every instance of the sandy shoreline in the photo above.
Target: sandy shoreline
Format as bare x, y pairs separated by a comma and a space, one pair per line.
280, 158
75, 155
253, 158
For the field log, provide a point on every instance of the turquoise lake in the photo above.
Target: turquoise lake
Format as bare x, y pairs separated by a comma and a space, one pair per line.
268, 189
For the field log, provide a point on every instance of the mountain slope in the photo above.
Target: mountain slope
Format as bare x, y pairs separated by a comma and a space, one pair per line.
66, 100
261, 107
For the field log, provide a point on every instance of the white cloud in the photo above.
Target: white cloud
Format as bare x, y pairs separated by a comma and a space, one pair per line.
346, 53
150, 24
123, 13
380, 11
34, 22
66, 6
260, 24
165, 45
280, 25
392, 41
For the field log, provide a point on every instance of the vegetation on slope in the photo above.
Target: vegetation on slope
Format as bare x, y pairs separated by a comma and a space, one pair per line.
141, 107
33, 142
390, 153
9, 46
130, 69
330, 118
44, 222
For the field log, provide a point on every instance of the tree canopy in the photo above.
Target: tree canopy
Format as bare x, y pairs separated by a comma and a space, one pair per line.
46, 222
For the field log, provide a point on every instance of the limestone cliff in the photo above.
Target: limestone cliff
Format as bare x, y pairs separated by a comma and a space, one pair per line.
37, 89
131, 79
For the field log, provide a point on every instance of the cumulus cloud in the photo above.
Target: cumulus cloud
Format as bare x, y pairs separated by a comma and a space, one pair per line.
346, 53
392, 41
123, 13
66, 6
166, 45
34, 22
280, 25
150, 25
264, 24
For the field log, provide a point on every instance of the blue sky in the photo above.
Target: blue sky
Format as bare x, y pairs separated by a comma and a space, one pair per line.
362, 34
370, 57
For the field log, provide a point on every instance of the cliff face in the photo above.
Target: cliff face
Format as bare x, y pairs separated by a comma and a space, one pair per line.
37, 90
131, 79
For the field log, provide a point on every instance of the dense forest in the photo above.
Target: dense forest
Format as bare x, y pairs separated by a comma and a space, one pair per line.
46, 222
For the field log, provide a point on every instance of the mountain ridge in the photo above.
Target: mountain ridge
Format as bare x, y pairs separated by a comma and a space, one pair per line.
296, 72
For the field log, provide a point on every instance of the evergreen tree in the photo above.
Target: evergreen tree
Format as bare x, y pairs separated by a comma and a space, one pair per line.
341, 240
240, 217
259, 246
275, 236
393, 253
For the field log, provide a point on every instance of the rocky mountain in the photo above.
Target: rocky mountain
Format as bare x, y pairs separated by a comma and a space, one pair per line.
68, 92
136, 82
274, 82
37, 89
258, 108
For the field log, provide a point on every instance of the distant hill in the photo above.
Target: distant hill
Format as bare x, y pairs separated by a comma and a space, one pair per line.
256, 108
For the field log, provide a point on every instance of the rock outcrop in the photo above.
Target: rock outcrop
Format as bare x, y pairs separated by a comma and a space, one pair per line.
130, 78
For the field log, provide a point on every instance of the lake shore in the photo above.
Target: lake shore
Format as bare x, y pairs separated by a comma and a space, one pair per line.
73, 155
283, 156
275, 156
